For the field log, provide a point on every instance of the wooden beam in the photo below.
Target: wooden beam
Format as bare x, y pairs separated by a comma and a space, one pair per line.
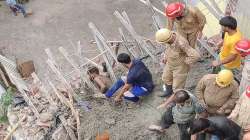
125, 42
69, 105
101, 48
42, 88
211, 9
83, 75
63, 80
138, 39
50, 56
14, 128
156, 9
67, 128
79, 49
102, 40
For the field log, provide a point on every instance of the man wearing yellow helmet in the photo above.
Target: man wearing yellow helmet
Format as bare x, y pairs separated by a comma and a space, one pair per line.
218, 92
179, 56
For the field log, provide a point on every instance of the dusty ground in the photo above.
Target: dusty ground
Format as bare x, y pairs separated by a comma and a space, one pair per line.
57, 23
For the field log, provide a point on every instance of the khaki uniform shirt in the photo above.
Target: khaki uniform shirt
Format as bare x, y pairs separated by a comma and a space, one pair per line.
215, 97
245, 80
193, 21
242, 111
180, 52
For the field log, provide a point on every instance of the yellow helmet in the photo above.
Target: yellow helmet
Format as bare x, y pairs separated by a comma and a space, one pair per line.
163, 35
224, 78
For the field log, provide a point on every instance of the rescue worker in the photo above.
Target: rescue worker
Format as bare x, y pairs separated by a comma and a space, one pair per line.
190, 21
179, 56
138, 81
229, 58
182, 111
243, 47
241, 113
218, 93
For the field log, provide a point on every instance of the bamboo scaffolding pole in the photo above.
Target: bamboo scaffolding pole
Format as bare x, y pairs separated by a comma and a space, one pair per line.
138, 39
69, 105
83, 75
102, 49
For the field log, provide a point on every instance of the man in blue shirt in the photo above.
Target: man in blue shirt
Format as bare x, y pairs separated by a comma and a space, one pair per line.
137, 83
15, 7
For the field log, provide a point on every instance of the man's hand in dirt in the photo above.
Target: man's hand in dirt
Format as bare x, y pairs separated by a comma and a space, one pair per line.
216, 63
118, 99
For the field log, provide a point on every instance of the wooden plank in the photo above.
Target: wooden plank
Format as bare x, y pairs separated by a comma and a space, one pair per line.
125, 16
102, 40
156, 19
42, 88
69, 105
67, 128
79, 49
139, 40
125, 43
94, 63
26, 98
216, 7
63, 80
50, 56
211, 9
15, 127
156, 9
83, 75
101, 48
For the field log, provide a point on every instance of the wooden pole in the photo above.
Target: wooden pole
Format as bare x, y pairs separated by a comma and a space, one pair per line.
70, 105
131, 30
74, 65
67, 128
102, 40
125, 42
101, 48
63, 80
50, 56
14, 128
26, 97
156, 9
42, 88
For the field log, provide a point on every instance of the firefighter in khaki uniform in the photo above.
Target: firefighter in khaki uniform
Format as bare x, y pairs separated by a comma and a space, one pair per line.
218, 93
190, 21
179, 56
243, 48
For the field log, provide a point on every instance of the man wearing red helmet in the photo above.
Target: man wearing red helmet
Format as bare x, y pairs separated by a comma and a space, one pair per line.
243, 47
190, 21
241, 113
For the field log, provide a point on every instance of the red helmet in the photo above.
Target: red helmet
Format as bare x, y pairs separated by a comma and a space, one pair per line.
248, 91
243, 47
174, 10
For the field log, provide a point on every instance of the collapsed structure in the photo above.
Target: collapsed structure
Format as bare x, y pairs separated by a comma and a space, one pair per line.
54, 111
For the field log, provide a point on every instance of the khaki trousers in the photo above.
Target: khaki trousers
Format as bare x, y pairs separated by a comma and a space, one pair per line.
191, 37
175, 75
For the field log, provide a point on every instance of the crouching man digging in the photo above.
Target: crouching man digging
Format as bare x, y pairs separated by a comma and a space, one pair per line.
182, 109
138, 81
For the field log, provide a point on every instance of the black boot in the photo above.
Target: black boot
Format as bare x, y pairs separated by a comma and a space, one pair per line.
167, 92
